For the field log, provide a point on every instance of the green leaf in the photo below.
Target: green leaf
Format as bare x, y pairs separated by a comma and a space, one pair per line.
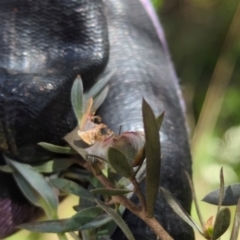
231, 195
77, 98
6, 169
99, 99
109, 228
236, 223
75, 223
98, 86
110, 192
222, 223
35, 187
55, 165
71, 187
52, 226
177, 208
56, 149
119, 163
81, 218
159, 120
117, 219
97, 222
153, 156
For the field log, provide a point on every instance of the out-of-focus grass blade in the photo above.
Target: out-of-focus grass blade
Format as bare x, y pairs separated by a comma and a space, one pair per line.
117, 219
179, 210
71, 187
77, 98
119, 163
35, 187
153, 156
194, 196
56, 149
222, 223
236, 223
231, 195
110, 192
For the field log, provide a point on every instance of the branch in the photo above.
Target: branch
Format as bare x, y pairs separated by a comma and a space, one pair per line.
138, 211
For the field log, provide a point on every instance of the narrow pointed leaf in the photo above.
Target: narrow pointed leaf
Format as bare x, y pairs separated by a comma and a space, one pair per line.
56, 149
108, 229
65, 225
98, 86
71, 187
52, 226
117, 219
119, 163
35, 187
110, 192
221, 190
97, 222
6, 169
77, 98
159, 120
99, 99
231, 195
81, 218
55, 165
177, 208
153, 156
236, 223
222, 223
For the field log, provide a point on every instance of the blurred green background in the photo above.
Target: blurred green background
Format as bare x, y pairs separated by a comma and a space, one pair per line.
203, 38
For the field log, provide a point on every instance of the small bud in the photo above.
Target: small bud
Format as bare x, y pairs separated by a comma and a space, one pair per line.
209, 228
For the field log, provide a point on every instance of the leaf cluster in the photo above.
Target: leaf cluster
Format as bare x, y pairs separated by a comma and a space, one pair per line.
108, 183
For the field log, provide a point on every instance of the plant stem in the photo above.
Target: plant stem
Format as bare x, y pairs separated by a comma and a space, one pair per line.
140, 212
139, 194
156, 227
